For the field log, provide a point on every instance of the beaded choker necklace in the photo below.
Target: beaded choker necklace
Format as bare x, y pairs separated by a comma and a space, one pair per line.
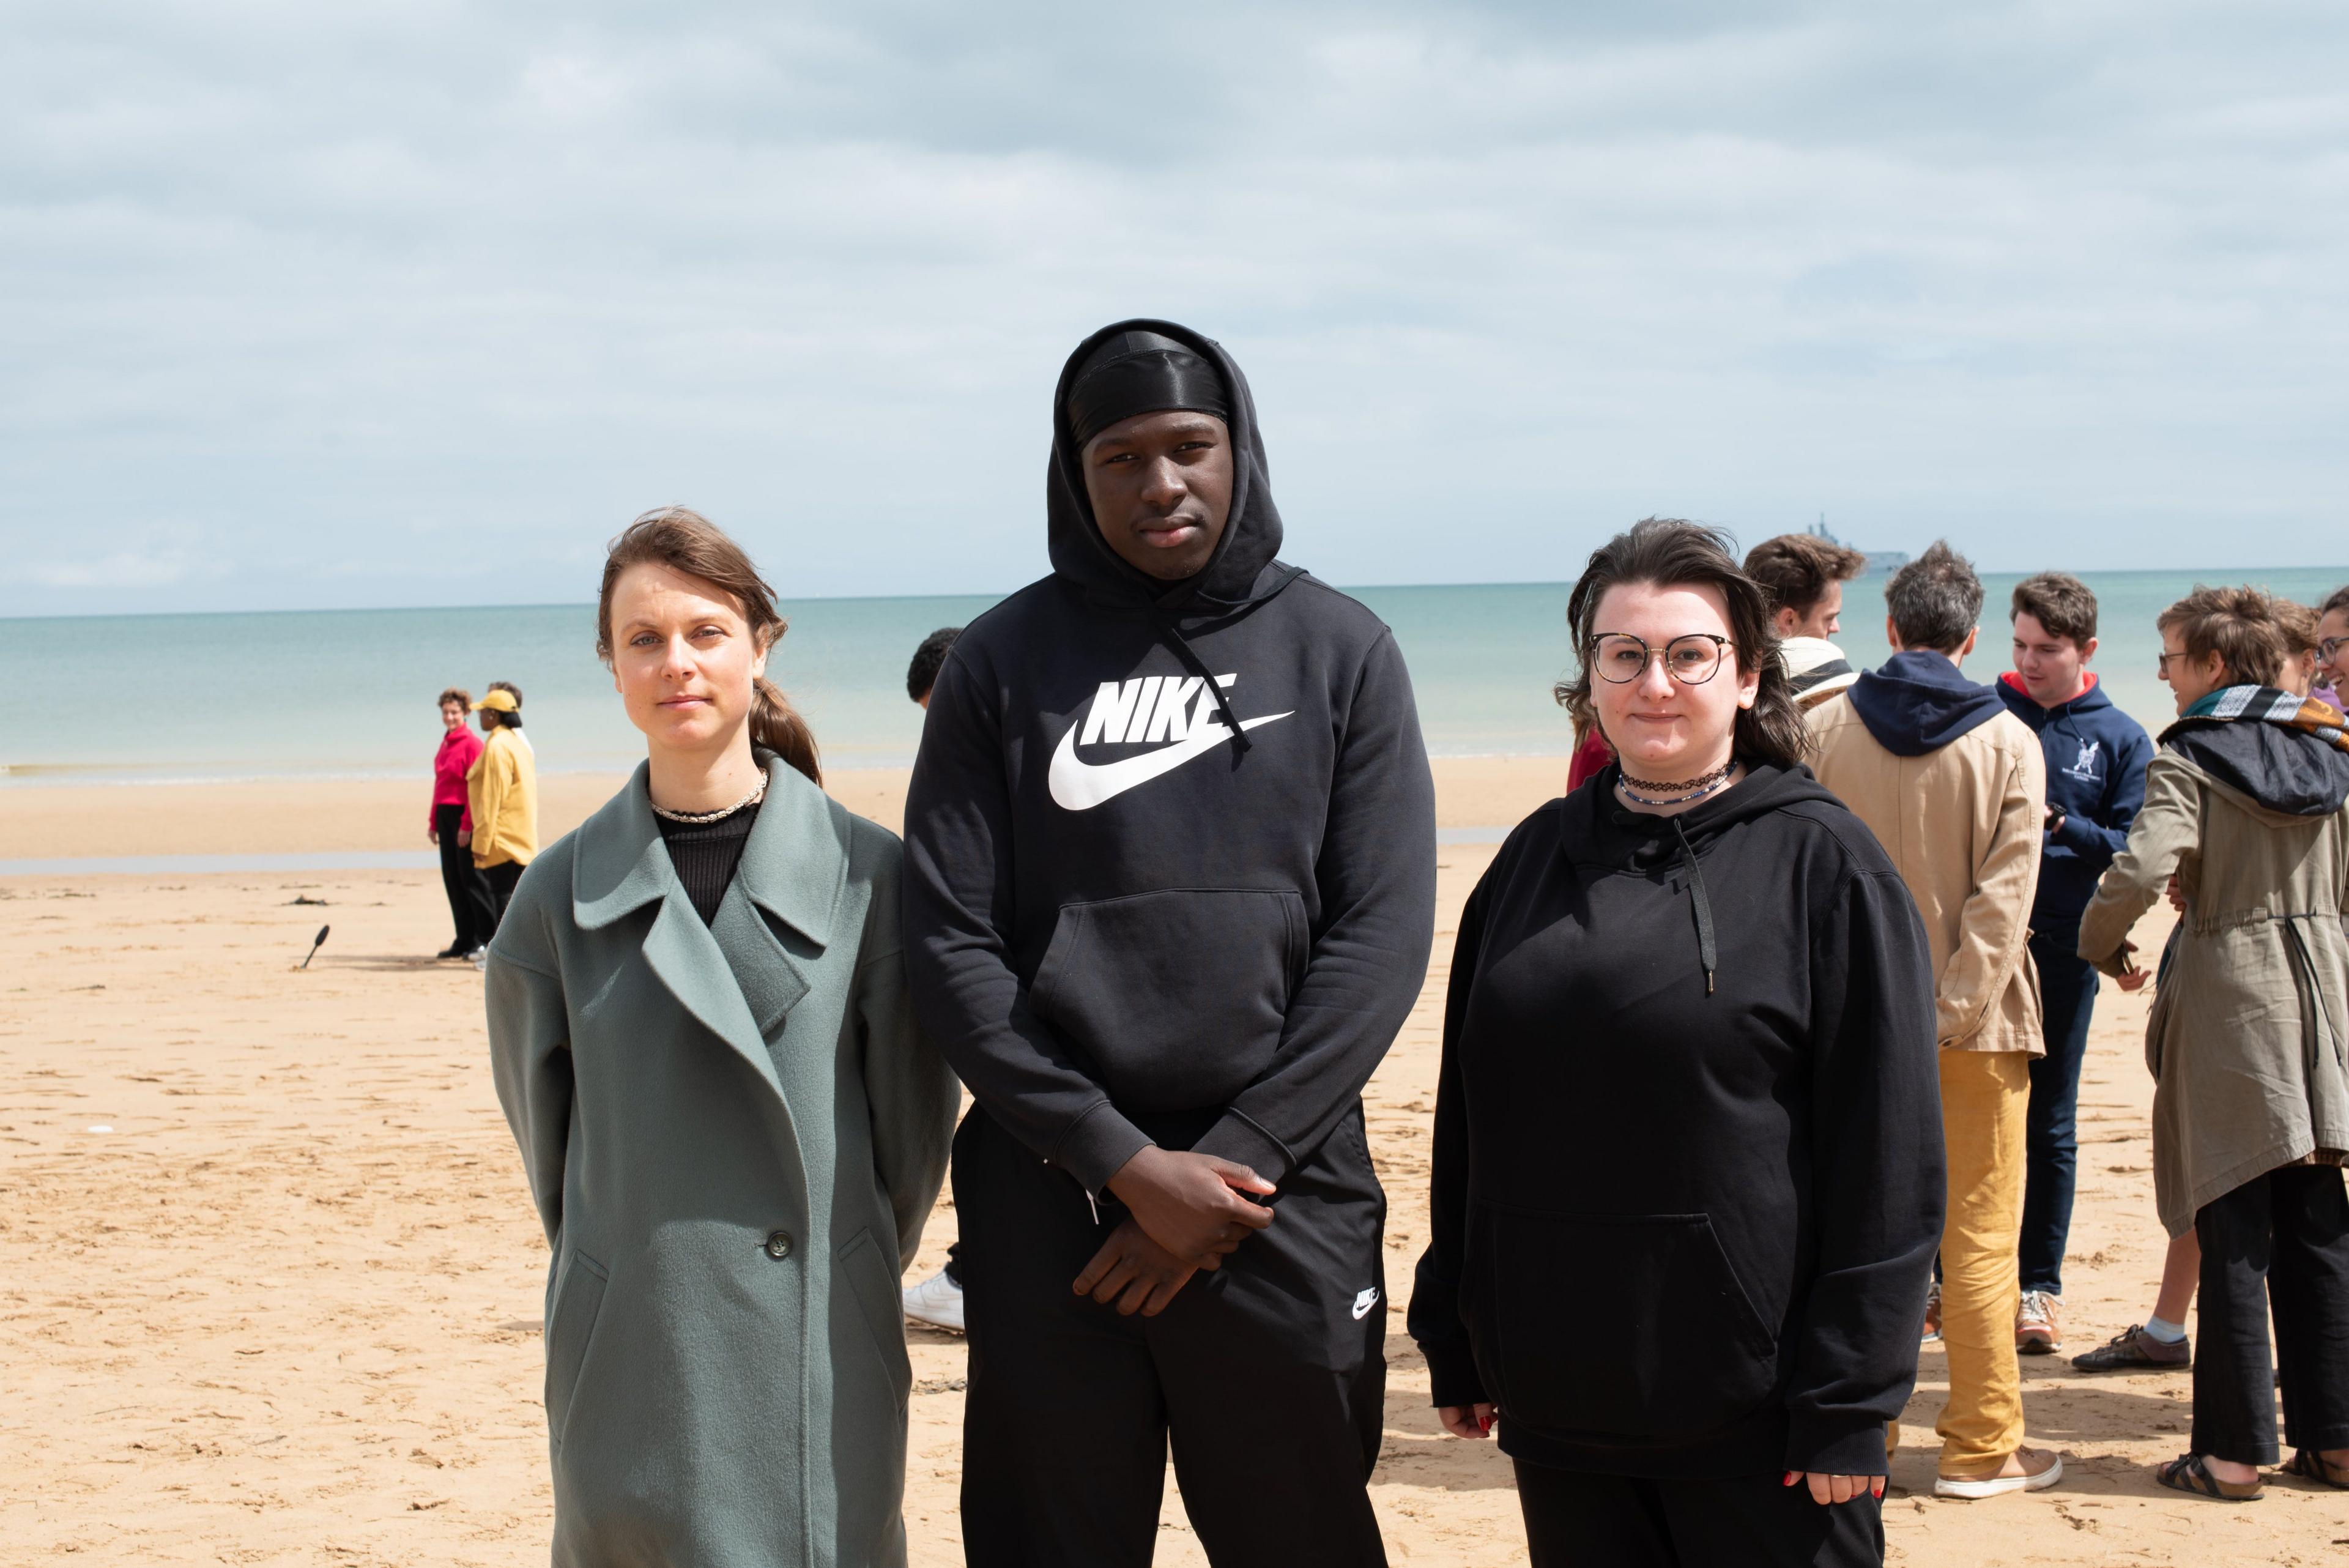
701, 818
1691, 789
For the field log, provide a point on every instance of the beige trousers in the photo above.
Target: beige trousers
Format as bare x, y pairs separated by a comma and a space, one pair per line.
1985, 1094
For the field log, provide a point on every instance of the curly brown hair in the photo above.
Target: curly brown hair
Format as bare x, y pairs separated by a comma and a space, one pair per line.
2239, 625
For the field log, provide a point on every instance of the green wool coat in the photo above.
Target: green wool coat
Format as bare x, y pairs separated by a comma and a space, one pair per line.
733, 1132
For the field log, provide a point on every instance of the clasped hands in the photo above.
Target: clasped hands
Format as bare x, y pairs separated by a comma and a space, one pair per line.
1184, 1213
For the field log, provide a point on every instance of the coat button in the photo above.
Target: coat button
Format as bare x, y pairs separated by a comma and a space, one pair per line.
779, 1244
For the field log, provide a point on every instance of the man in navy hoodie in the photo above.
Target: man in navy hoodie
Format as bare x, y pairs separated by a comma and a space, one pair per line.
2096, 757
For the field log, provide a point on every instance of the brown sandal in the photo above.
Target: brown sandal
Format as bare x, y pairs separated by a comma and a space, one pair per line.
2316, 1467
2187, 1473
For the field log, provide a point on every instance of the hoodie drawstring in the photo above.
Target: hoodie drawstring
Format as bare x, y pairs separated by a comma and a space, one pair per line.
1173, 637
1705, 952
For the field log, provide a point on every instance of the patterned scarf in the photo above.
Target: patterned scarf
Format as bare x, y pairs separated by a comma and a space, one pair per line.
2265, 704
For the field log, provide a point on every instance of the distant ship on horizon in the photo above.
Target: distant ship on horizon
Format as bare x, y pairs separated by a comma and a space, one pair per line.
1878, 560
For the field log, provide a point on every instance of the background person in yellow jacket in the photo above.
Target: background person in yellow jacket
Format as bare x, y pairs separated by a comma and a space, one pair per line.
503, 785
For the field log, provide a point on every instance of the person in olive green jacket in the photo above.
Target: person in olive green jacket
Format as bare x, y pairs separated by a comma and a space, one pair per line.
2247, 804
732, 1127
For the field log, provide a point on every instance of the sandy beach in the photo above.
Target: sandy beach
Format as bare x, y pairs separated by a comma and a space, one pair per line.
270, 1283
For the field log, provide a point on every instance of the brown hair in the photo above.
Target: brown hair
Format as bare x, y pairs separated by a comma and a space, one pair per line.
1795, 569
2239, 625
685, 541
2338, 599
459, 695
2059, 602
2299, 623
1670, 552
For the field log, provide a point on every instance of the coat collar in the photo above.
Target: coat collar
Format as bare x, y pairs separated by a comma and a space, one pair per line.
794, 866
735, 974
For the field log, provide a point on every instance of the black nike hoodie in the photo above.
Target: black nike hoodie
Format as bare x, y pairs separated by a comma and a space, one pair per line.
1687, 1171
1125, 923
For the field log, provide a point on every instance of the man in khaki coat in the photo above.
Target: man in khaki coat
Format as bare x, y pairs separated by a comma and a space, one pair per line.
1956, 789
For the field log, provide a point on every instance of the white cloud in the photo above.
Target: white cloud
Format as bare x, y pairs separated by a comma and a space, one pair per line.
402, 304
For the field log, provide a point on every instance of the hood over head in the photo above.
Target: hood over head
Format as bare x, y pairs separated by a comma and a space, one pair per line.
2288, 754
1141, 367
1919, 702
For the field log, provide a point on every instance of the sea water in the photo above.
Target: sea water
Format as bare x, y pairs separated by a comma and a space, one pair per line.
351, 692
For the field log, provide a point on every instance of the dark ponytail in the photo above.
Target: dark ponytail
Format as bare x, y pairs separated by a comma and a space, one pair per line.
777, 726
685, 541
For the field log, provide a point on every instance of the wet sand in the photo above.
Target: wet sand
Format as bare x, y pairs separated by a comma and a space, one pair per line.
284, 1306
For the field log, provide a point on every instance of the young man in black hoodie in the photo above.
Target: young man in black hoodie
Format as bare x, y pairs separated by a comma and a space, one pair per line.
1170, 888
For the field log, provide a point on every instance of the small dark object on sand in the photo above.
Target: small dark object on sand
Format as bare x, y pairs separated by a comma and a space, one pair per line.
306, 898
315, 947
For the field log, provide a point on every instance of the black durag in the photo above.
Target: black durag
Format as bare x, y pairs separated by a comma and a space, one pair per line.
1142, 373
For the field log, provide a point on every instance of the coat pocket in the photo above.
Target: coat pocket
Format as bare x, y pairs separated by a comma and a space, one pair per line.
1179, 996
568, 1331
1619, 1326
882, 1309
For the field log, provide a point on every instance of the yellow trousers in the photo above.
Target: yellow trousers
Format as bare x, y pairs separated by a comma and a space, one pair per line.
1984, 1095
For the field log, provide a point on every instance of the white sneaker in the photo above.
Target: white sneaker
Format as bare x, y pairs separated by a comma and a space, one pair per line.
2041, 1469
937, 1301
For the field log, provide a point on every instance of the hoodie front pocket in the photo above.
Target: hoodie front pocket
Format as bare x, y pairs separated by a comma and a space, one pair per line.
1630, 1325
577, 1306
1179, 996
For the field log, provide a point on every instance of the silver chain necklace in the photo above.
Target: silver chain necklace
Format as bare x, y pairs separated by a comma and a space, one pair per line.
701, 818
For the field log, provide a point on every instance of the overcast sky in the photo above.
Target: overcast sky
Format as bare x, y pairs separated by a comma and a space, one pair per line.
388, 303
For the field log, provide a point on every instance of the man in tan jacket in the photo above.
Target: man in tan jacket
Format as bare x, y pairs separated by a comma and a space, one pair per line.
1956, 789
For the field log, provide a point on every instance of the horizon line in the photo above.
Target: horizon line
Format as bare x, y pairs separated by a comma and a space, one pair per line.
855, 599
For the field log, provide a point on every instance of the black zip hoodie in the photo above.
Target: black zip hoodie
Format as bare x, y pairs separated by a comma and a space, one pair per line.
1127, 924
1682, 1225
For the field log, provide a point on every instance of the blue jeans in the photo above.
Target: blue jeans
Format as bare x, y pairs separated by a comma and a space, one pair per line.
2067, 994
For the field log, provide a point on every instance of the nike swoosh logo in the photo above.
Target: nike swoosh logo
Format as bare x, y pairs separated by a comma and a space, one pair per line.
1080, 786
1364, 1302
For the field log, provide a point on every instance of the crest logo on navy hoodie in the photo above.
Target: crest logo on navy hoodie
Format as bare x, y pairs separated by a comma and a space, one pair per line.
1174, 714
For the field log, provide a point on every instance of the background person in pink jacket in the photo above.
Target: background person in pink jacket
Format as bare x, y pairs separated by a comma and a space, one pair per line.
449, 824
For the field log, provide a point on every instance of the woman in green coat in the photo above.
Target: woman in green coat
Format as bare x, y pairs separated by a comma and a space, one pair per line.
731, 1128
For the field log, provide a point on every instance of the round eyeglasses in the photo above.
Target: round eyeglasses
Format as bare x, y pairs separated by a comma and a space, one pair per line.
1691, 659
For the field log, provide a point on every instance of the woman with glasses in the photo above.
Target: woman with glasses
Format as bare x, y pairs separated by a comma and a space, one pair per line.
1687, 1176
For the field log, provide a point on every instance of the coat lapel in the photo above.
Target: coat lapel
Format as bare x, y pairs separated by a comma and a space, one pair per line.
793, 867
621, 867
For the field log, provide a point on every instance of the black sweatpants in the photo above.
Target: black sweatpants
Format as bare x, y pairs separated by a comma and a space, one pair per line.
2278, 1242
1575, 1520
1268, 1375
502, 878
470, 900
